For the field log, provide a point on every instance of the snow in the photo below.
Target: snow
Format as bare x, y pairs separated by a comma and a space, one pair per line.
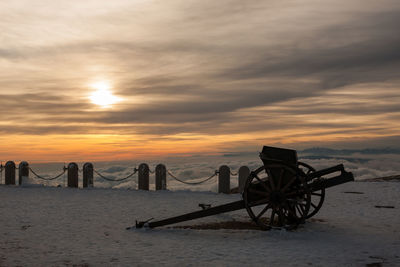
50, 226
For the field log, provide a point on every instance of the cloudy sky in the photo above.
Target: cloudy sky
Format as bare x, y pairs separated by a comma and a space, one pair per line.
102, 80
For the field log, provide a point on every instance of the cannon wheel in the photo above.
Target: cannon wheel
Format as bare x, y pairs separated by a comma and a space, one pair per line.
276, 196
317, 197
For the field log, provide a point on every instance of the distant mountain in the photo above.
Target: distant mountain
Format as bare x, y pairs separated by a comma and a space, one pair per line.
368, 151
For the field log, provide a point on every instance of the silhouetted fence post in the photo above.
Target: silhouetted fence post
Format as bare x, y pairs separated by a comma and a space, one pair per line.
143, 182
244, 172
224, 179
9, 175
73, 174
87, 175
161, 177
23, 173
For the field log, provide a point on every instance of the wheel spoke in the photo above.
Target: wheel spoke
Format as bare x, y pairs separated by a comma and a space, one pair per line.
263, 211
263, 184
293, 213
292, 193
302, 207
280, 179
258, 192
288, 184
301, 204
314, 206
272, 218
299, 210
281, 217
271, 180
258, 202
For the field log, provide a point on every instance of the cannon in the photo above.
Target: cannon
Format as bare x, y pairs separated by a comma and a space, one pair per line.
282, 193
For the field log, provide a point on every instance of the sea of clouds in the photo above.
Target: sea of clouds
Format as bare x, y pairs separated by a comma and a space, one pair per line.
364, 164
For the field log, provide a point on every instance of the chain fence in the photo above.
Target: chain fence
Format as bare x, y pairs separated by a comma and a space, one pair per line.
47, 178
112, 179
192, 183
115, 180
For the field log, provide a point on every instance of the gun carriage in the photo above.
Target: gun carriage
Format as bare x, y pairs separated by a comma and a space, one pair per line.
282, 193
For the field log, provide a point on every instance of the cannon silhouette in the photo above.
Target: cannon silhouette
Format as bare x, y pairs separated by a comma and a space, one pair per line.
282, 193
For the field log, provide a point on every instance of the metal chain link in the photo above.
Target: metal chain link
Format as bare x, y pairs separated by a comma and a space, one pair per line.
192, 183
234, 174
48, 179
115, 180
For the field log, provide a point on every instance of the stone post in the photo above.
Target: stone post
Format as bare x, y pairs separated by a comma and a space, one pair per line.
87, 175
143, 181
244, 172
161, 177
9, 175
73, 174
224, 179
23, 171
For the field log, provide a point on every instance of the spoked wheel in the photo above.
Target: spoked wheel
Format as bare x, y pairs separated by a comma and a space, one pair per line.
276, 196
317, 197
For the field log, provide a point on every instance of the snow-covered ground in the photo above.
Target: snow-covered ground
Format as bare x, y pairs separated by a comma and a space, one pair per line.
50, 226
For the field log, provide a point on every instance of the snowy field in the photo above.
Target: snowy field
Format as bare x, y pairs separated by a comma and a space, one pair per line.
50, 226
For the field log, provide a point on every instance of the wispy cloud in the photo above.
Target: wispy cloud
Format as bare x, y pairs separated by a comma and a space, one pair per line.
278, 72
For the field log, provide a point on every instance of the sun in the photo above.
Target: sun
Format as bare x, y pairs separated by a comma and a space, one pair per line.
102, 96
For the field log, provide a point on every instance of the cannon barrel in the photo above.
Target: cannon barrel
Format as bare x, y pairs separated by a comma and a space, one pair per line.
326, 171
237, 205
324, 183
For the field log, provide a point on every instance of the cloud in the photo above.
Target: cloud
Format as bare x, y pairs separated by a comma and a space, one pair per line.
262, 70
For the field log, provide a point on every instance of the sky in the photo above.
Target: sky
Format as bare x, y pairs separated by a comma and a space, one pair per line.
118, 80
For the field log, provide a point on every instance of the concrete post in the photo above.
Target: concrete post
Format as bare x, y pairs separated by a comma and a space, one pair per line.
23, 171
9, 175
244, 172
73, 174
143, 177
87, 175
161, 177
224, 179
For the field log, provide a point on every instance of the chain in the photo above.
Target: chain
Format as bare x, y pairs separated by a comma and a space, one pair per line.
115, 180
47, 179
192, 183
234, 174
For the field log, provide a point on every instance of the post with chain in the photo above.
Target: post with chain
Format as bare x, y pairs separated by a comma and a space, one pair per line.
224, 179
143, 176
244, 172
9, 175
161, 177
73, 174
23, 174
87, 175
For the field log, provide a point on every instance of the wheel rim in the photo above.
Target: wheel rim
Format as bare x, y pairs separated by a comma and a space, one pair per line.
317, 197
278, 197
